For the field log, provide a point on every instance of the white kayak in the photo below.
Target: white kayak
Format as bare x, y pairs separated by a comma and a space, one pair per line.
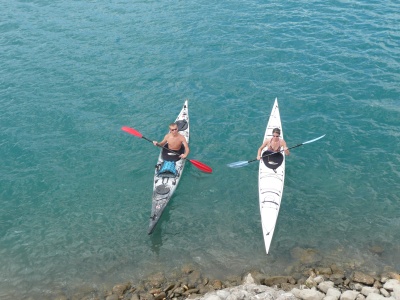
165, 183
271, 178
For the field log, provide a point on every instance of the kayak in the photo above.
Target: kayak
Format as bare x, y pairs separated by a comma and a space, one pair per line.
166, 182
271, 178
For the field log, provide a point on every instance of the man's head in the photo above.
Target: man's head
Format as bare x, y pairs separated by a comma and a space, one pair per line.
173, 128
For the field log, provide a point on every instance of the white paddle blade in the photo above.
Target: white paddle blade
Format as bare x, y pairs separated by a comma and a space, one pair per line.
238, 164
314, 139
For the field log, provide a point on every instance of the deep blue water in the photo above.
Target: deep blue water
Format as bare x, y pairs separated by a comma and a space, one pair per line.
75, 191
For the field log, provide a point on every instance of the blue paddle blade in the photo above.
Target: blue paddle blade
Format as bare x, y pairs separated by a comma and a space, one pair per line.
238, 164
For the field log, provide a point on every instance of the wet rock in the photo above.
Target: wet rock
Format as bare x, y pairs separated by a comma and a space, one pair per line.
194, 278
169, 287
323, 271
135, 297
187, 269
217, 284
376, 249
363, 278
179, 290
336, 269
275, 280
310, 282
306, 256
155, 291
160, 296
394, 275
191, 291
120, 289
112, 297
287, 287
157, 279
146, 296
258, 277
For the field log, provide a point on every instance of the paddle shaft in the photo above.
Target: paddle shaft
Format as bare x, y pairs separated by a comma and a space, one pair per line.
198, 164
249, 161
158, 145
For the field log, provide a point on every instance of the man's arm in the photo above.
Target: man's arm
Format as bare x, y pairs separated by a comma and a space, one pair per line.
187, 150
162, 143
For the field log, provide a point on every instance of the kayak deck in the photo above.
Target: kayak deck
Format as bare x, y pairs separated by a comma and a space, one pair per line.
270, 183
164, 185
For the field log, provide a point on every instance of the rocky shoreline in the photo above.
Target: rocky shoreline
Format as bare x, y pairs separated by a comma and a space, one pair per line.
305, 283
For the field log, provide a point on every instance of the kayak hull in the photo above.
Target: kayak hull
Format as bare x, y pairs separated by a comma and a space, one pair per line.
270, 183
165, 186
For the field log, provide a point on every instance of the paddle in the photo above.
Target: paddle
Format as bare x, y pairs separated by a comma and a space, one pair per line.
196, 163
243, 163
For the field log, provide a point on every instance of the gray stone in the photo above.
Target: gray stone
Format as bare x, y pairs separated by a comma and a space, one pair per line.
349, 295
373, 296
384, 292
319, 279
211, 297
223, 294
238, 295
308, 294
333, 293
366, 290
286, 296
325, 286
112, 297
310, 282
396, 292
356, 286
390, 284
329, 298
248, 279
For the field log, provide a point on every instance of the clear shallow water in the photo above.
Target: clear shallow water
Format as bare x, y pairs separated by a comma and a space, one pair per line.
75, 190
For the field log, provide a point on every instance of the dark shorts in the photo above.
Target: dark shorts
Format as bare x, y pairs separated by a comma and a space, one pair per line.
171, 156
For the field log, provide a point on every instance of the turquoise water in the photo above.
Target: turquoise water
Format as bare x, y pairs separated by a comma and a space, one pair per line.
75, 191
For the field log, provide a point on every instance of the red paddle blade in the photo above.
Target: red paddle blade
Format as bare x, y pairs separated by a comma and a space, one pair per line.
201, 166
132, 131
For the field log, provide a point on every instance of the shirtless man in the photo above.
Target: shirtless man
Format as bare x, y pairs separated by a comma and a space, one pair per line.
175, 141
274, 144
